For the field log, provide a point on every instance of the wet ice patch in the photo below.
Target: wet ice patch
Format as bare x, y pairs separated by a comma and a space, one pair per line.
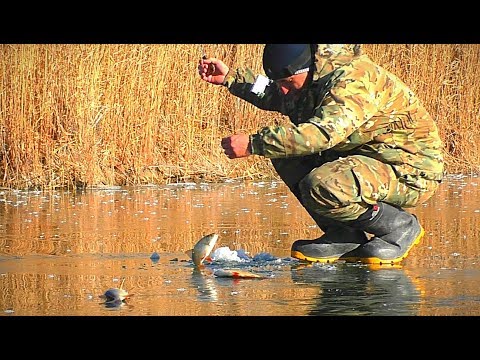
264, 256
243, 255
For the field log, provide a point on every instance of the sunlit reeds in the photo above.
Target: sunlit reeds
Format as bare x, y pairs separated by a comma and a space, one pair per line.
82, 115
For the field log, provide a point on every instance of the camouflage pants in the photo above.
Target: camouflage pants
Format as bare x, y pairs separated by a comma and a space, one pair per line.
342, 189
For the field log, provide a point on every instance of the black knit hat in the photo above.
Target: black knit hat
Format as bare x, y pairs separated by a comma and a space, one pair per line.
284, 60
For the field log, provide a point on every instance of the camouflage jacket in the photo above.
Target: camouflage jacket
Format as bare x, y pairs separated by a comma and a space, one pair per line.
351, 106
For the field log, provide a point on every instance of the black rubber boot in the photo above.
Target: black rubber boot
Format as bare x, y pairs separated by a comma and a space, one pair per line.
395, 233
334, 243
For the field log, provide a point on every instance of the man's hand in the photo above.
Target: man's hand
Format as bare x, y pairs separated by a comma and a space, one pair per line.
212, 70
236, 146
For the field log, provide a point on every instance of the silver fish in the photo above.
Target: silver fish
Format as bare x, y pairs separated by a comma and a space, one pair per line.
203, 248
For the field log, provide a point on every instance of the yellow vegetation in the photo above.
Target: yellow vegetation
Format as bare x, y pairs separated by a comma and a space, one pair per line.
125, 114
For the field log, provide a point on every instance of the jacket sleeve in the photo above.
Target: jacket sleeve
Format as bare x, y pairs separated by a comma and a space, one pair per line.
239, 83
349, 104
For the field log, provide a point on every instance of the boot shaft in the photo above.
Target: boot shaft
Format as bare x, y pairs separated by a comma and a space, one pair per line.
383, 219
395, 232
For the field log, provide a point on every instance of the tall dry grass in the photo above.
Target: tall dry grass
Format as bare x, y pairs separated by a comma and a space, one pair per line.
125, 114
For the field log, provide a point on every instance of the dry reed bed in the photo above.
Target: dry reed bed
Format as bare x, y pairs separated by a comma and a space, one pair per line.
94, 114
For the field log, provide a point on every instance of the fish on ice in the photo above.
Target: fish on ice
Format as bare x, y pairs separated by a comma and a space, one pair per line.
236, 274
203, 248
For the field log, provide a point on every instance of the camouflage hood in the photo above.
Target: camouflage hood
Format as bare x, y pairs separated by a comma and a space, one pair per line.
329, 57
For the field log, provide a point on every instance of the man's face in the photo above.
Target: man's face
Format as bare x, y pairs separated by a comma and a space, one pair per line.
292, 83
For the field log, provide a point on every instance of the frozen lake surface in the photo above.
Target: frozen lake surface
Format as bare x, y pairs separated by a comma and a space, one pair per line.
59, 251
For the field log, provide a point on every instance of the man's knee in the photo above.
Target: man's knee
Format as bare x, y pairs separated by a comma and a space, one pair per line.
331, 185
322, 194
335, 190
329, 201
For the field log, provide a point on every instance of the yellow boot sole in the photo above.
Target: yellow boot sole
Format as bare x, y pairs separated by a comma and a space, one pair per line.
300, 256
